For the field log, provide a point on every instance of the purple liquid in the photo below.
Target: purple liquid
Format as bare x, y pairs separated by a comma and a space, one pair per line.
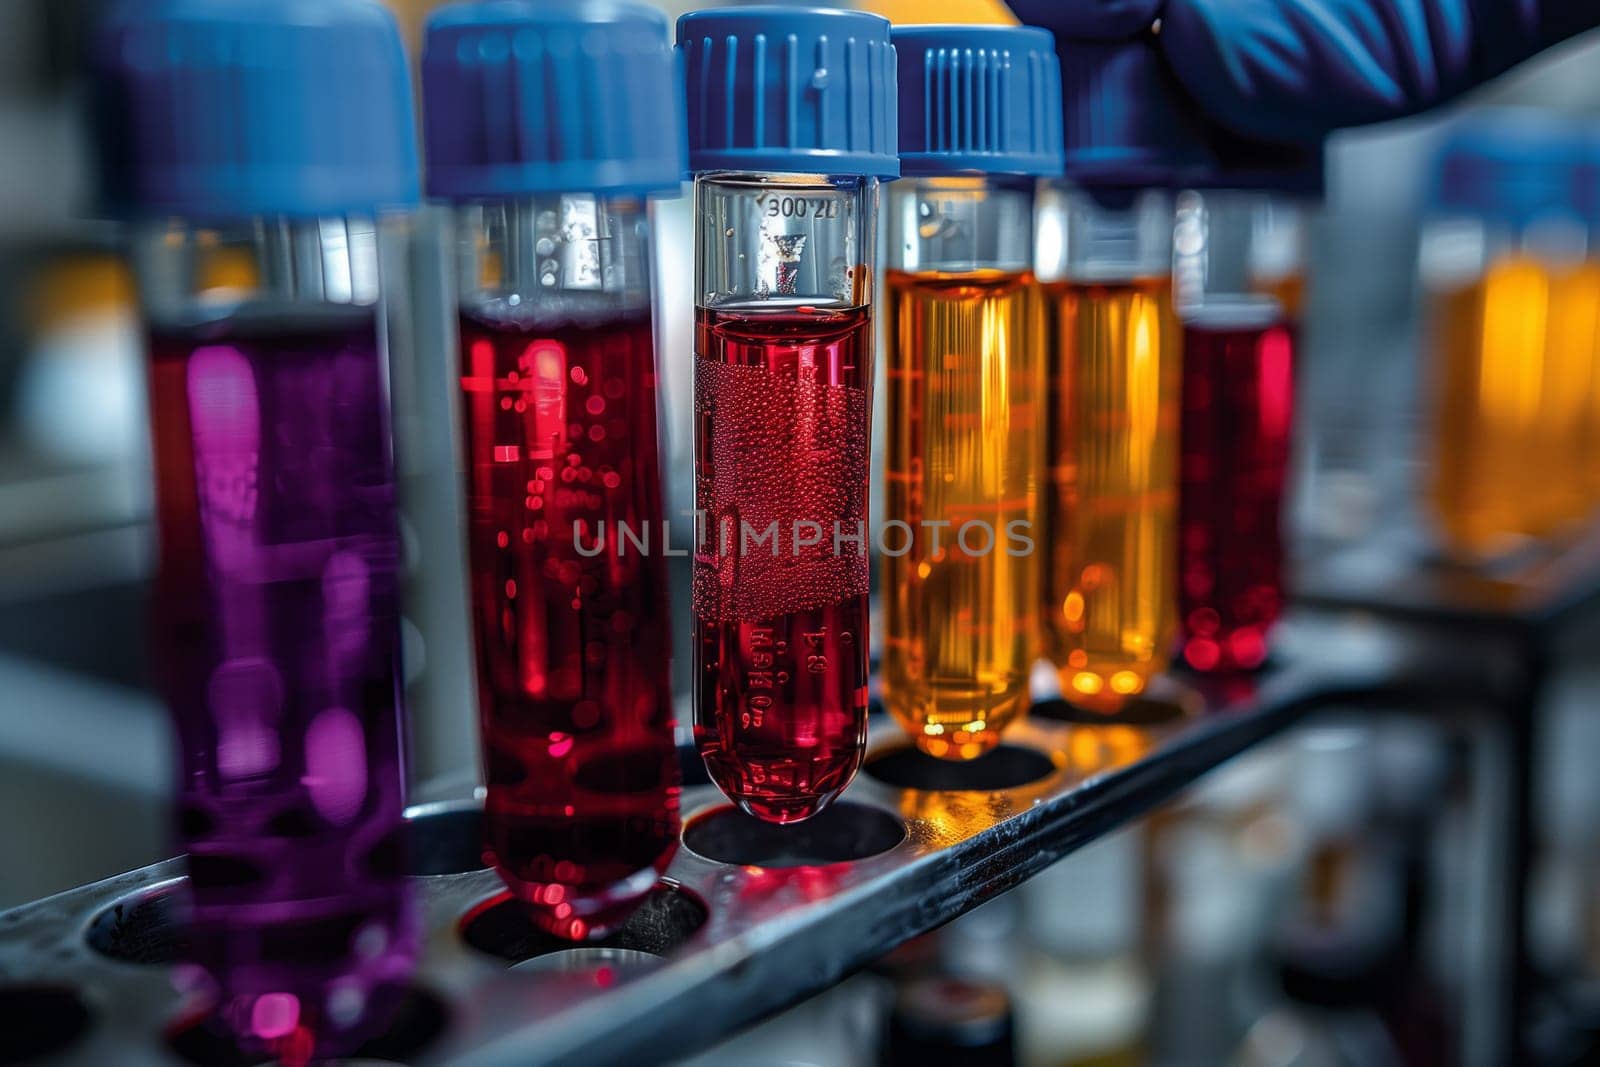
277, 646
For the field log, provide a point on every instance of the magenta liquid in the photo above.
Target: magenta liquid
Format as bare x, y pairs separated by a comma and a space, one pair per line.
277, 643
1238, 405
571, 614
781, 629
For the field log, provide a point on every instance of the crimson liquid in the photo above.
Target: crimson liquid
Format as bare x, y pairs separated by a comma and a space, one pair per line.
277, 637
780, 572
570, 612
1238, 403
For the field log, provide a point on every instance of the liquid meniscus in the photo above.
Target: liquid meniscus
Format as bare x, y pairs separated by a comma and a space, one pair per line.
781, 573
570, 613
277, 636
1110, 615
965, 451
1238, 403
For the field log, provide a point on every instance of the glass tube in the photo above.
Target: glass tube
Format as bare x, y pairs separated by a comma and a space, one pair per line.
1238, 403
567, 546
783, 378
276, 620
1110, 618
965, 450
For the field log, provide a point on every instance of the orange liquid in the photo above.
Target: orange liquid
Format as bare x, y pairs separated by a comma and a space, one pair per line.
1517, 418
966, 447
1110, 613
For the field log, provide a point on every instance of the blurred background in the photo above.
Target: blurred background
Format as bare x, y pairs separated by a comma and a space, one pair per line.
1306, 905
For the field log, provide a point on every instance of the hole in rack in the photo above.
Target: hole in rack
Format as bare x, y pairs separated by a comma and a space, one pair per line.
445, 839
1007, 767
416, 1022
142, 928
1135, 711
501, 927
38, 1021
840, 834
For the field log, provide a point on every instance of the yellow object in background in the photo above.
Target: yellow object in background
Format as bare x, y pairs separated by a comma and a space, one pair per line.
1110, 614
1572, 389
228, 267
944, 12
1517, 420
965, 446
79, 285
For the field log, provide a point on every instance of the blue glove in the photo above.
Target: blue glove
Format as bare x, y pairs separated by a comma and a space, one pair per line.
1294, 70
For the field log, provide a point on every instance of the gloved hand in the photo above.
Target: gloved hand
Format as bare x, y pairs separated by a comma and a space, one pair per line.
1294, 70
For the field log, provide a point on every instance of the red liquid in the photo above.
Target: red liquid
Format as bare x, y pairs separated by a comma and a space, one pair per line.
1238, 402
573, 649
781, 437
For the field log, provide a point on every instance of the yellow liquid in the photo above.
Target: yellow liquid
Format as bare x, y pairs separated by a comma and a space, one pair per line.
1515, 356
1110, 613
966, 446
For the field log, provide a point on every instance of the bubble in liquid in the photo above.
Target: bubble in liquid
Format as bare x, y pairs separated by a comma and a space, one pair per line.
336, 765
274, 1015
800, 450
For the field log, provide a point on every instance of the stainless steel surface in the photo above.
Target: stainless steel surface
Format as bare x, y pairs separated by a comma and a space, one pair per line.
771, 934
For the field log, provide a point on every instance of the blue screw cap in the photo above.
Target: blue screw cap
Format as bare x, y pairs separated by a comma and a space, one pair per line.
1127, 122
229, 109
790, 90
524, 97
979, 98
1512, 166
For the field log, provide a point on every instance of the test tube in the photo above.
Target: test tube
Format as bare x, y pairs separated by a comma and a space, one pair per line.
1512, 305
1105, 257
265, 199
966, 375
791, 125
557, 373
1239, 290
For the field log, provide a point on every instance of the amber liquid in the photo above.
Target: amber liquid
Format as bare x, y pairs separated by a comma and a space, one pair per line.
966, 447
1515, 361
1110, 617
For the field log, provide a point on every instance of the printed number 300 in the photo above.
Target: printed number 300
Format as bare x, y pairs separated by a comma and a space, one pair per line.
800, 207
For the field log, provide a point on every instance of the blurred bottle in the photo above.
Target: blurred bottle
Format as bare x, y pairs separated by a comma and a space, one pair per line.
942, 1021
1239, 287
1082, 991
1346, 958
1105, 258
81, 391
266, 201
1514, 317
1217, 863
1110, 613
